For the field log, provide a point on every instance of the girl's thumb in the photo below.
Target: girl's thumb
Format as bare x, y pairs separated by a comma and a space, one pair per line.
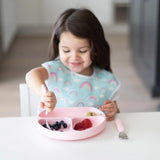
44, 88
41, 104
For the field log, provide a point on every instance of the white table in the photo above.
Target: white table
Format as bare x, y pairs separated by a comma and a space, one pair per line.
20, 140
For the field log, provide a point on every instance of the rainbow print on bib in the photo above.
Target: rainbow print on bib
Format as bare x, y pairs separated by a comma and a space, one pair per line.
76, 90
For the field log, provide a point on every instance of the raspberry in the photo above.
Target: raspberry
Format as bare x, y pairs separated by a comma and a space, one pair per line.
85, 124
79, 126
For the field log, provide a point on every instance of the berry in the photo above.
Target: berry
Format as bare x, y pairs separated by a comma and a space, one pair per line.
79, 126
62, 122
52, 128
59, 125
64, 125
56, 125
85, 124
44, 125
50, 125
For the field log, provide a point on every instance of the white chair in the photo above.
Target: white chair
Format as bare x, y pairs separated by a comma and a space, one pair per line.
29, 101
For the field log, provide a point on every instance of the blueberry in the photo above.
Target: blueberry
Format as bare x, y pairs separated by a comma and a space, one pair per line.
44, 125
52, 128
56, 127
59, 125
62, 122
50, 125
56, 123
65, 125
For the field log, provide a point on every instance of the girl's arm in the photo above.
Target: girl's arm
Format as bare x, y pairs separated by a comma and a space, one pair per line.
35, 78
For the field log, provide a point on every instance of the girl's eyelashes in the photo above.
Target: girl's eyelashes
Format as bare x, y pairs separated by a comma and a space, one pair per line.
66, 51
83, 51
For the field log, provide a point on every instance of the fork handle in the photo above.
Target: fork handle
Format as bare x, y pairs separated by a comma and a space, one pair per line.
119, 125
44, 89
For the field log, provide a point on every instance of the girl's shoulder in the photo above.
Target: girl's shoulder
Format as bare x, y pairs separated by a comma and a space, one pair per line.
102, 72
53, 64
104, 75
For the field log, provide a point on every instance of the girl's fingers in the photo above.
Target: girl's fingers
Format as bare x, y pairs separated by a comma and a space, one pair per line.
108, 105
110, 118
48, 94
48, 109
50, 104
107, 101
41, 105
49, 99
110, 108
110, 114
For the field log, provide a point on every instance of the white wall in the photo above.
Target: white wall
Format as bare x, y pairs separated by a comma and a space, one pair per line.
29, 12
37, 13
9, 23
102, 9
43, 13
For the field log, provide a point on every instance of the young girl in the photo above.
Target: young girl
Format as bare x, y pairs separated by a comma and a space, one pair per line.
79, 71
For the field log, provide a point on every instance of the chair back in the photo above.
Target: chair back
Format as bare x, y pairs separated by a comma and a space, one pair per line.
29, 101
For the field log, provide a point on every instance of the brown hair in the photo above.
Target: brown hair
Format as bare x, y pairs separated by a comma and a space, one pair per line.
84, 24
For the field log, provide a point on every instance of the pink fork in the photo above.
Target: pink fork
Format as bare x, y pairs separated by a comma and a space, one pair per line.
120, 128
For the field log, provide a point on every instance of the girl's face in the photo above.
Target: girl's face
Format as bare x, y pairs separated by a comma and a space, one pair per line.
75, 53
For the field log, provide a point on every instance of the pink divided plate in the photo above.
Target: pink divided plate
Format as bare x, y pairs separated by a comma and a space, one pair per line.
71, 116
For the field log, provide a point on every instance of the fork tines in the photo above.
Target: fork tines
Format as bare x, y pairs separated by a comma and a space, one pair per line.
123, 135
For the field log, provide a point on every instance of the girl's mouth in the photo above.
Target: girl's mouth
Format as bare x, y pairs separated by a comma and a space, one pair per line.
76, 63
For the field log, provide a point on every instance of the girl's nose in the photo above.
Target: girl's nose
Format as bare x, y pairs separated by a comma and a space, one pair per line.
75, 55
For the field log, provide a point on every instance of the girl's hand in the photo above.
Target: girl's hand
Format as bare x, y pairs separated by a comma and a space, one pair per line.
48, 99
110, 107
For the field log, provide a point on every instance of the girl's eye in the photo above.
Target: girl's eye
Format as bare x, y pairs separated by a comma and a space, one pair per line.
66, 51
83, 51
